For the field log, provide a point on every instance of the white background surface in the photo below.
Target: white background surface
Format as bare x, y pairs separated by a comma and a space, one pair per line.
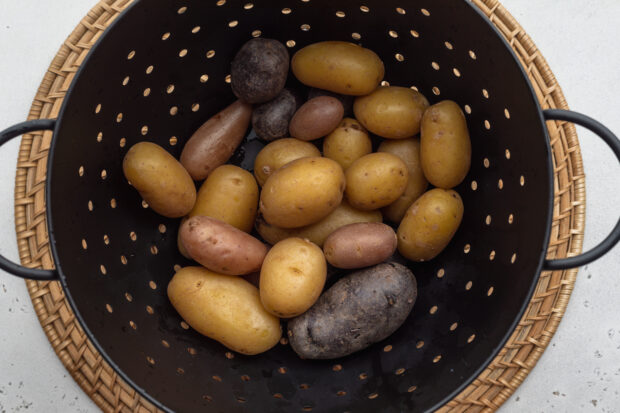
581, 369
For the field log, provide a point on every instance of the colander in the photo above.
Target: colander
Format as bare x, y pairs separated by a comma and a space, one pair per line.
162, 70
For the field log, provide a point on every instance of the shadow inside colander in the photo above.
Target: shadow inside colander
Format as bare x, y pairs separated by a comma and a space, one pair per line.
162, 70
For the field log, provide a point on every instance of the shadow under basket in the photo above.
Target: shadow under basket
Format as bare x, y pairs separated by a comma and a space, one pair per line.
161, 71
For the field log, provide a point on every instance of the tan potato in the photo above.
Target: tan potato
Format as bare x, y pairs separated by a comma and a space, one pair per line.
409, 151
360, 245
376, 180
339, 67
224, 308
229, 194
391, 112
160, 179
316, 118
216, 141
180, 245
292, 277
429, 224
317, 233
221, 247
347, 143
445, 145
278, 153
302, 192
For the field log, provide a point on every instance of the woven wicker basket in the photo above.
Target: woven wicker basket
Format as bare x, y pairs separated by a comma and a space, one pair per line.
99, 380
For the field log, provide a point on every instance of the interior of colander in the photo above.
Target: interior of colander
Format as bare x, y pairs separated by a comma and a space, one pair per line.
162, 70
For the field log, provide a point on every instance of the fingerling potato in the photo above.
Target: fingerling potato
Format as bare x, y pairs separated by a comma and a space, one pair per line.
391, 112
292, 277
278, 153
339, 67
347, 143
316, 118
429, 224
445, 147
409, 151
160, 179
224, 308
360, 309
360, 245
259, 70
221, 247
270, 120
302, 192
230, 194
216, 141
375, 180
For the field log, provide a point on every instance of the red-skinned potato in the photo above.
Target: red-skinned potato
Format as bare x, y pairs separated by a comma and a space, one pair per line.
215, 141
221, 247
316, 118
360, 245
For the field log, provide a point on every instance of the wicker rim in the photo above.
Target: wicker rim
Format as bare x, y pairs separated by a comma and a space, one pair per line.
101, 383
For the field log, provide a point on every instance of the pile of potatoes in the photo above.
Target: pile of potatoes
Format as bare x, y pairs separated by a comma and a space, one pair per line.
312, 211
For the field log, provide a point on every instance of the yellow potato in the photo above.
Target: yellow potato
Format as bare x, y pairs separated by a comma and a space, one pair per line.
409, 151
317, 233
229, 194
392, 112
445, 145
278, 153
224, 308
160, 179
339, 67
292, 277
429, 224
302, 192
347, 143
376, 180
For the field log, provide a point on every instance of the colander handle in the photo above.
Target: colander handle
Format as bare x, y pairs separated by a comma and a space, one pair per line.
610, 139
5, 136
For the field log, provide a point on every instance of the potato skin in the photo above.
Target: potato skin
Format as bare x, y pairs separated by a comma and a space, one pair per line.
278, 153
215, 141
230, 194
445, 145
360, 309
259, 70
317, 233
347, 143
347, 101
360, 245
271, 119
409, 151
391, 112
221, 247
376, 180
180, 245
302, 192
429, 224
292, 277
316, 118
339, 67
160, 179
224, 308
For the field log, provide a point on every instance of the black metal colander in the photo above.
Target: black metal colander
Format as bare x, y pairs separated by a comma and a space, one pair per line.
162, 70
